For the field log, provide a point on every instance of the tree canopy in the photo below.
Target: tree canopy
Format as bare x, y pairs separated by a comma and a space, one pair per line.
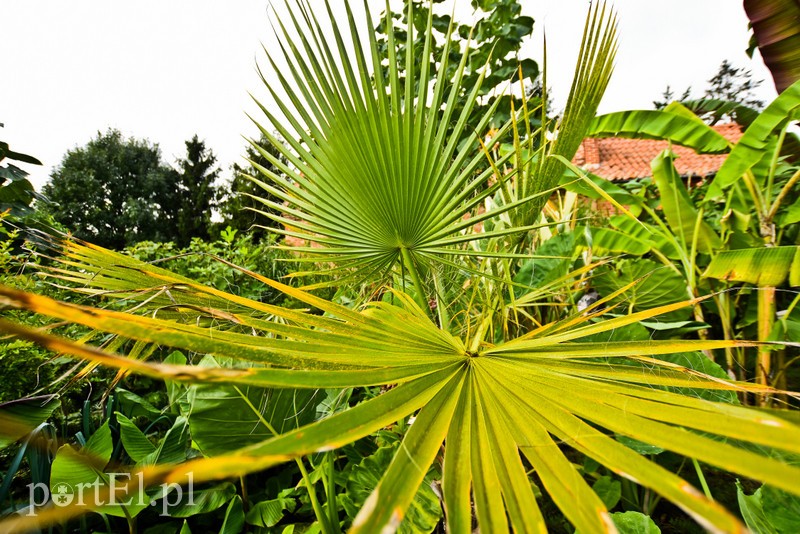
196, 192
729, 83
495, 41
116, 191
238, 207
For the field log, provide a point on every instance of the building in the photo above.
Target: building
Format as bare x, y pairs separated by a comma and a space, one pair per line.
619, 160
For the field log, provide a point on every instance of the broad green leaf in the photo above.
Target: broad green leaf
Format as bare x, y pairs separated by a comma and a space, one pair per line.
638, 446
760, 266
552, 261
269, 513
606, 241
751, 507
781, 508
132, 405
620, 195
175, 390
752, 147
224, 418
202, 501
791, 215
609, 490
78, 477
234, 517
653, 124
658, 285
135, 442
684, 220
634, 523
173, 447
19, 417
654, 235
700, 362
785, 330
424, 512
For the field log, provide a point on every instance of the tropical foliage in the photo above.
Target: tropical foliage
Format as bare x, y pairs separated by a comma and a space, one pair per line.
776, 39
453, 375
754, 240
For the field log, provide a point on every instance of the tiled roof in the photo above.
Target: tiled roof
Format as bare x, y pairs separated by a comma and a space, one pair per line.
619, 159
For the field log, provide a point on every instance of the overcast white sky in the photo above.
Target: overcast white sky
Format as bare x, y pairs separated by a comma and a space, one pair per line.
167, 69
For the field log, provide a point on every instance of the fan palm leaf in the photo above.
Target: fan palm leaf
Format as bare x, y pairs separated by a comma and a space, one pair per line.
537, 396
376, 174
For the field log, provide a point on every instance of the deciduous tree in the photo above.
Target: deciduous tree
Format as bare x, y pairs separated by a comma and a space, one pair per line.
495, 42
113, 191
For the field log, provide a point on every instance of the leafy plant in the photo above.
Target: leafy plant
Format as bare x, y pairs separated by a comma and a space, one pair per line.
491, 44
776, 38
499, 401
753, 190
16, 192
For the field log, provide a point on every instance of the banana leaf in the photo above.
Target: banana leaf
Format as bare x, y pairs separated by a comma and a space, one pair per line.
777, 34
763, 266
754, 145
662, 125
678, 207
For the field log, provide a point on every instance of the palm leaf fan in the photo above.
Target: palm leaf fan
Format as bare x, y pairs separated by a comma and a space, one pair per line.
377, 175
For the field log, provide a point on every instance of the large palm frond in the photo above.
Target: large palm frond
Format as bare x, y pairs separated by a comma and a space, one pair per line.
377, 173
538, 396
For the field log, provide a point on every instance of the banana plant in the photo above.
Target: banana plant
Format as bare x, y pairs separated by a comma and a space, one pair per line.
759, 176
378, 182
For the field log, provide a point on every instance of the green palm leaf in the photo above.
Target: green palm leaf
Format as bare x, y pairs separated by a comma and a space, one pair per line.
526, 396
378, 178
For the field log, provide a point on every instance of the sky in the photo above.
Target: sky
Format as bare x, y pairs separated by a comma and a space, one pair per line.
166, 70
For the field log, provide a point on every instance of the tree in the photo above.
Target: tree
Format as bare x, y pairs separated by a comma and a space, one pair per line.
113, 192
16, 192
734, 84
496, 40
238, 207
196, 193
729, 84
668, 96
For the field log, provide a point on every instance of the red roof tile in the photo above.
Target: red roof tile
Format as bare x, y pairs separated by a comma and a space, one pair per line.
615, 158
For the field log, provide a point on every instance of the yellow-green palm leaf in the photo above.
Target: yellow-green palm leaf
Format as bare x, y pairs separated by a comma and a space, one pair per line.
535, 397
